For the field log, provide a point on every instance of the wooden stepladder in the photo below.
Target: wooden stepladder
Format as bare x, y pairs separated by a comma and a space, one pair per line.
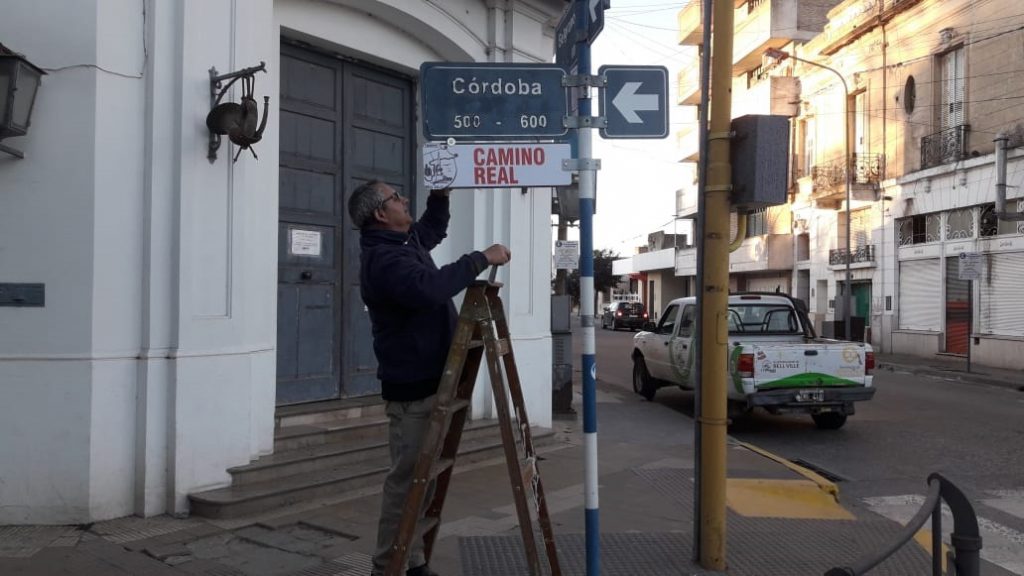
482, 327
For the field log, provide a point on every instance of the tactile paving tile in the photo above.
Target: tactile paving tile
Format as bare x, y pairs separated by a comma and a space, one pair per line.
133, 528
622, 554
25, 541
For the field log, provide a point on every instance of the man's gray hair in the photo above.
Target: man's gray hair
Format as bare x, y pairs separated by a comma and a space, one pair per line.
363, 202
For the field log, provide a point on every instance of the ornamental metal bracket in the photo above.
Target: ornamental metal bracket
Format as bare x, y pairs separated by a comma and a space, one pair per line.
238, 121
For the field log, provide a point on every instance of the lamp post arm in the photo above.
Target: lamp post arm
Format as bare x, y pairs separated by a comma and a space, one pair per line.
775, 53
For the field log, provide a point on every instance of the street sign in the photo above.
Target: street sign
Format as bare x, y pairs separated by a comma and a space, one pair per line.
635, 101
566, 38
505, 165
567, 254
970, 265
492, 101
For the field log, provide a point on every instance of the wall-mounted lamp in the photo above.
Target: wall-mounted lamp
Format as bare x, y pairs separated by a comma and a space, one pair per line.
237, 121
19, 82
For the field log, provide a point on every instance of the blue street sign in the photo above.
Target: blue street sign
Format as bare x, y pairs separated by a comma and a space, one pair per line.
566, 36
635, 101
474, 101
566, 53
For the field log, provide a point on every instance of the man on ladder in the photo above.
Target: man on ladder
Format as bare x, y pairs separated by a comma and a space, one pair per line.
410, 303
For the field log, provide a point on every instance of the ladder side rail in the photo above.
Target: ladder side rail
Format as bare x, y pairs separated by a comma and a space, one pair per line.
430, 448
516, 392
494, 366
464, 390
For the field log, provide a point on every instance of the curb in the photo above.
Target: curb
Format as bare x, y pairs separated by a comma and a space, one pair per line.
957, 375
824, 484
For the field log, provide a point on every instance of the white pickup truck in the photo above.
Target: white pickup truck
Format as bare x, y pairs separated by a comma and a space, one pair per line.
776, 361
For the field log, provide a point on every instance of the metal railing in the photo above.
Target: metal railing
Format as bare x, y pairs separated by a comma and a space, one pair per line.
947, 145
829, 175
867, 168
860, 254
964, 558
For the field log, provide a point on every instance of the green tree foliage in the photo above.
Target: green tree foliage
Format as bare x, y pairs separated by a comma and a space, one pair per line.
603, 277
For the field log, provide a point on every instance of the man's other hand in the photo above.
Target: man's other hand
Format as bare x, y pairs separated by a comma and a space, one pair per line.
497, 254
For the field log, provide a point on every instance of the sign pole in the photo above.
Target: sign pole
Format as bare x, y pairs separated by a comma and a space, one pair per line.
588, 188
970, 321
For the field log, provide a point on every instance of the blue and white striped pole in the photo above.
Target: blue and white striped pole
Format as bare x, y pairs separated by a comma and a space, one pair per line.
588, 188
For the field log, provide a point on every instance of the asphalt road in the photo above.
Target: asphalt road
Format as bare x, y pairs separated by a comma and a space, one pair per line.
973, 434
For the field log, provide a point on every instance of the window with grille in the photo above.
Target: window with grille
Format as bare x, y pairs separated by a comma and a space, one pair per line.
919, 229
960, 224
993, 226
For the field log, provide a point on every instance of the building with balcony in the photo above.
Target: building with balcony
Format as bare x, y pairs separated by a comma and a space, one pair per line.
926, 93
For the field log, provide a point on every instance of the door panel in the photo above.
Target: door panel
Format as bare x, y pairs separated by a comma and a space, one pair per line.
309, 271
341, 124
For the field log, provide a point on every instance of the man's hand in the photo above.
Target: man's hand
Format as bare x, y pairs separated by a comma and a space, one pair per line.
497, 255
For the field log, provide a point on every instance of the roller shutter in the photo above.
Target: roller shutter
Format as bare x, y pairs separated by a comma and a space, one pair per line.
920, 295
1002, 311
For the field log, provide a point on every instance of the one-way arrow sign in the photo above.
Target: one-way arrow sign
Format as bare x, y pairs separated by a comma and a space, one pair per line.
635, 101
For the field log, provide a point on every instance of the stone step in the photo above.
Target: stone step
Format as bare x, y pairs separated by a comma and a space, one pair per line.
349, 442
260, 497
329, 411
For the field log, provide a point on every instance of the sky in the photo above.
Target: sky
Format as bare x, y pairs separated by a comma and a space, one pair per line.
637, 183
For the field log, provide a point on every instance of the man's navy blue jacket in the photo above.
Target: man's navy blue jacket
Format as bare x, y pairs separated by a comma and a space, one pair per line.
410, 301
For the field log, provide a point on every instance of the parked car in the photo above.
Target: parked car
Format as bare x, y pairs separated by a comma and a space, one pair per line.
776, 361
631, 315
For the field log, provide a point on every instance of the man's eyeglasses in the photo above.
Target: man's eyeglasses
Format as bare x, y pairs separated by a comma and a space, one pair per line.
395, 196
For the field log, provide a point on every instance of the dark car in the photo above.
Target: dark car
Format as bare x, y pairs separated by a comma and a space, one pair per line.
631, 315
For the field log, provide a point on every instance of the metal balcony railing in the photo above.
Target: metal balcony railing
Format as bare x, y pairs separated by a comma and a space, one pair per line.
859, 254
948, 145
829, 175
868, 168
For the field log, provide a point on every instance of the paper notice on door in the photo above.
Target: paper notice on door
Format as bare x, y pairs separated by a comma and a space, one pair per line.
304, 242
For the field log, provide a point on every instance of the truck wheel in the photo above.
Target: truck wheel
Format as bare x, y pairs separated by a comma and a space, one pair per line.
643, 384
829, 420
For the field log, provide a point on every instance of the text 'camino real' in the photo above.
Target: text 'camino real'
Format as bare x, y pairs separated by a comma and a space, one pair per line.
498, 166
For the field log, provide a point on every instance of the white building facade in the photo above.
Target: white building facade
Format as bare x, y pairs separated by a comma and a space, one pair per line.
185, 299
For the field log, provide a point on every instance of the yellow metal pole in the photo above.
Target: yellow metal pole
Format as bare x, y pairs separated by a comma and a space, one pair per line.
715, 292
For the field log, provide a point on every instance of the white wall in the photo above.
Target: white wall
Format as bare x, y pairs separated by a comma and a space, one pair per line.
159, 266
155, 262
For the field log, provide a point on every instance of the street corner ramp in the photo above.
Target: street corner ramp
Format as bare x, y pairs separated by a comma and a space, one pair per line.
823, 483
802, 493
772, 498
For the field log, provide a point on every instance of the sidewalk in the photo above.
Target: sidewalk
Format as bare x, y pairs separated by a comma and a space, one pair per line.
781, 520
951, 368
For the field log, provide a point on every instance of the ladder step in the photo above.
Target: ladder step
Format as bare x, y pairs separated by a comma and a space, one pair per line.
474, 344
503, 346
428, 524
440, 466
455, 405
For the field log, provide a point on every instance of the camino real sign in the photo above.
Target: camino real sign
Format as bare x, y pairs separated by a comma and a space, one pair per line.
635, 101
477, 101
505, 165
